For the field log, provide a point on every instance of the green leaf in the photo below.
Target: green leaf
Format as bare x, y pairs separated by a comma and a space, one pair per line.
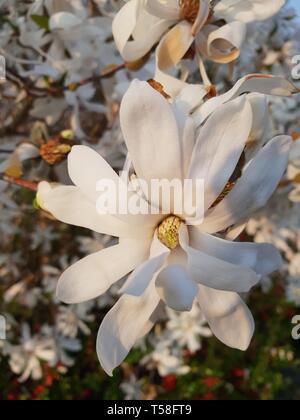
41, 21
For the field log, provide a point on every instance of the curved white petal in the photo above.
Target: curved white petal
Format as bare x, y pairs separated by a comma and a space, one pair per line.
187, 135
151, 133
261, 258
123, 326
93, 275
87, 168
133, 21
216, 273
176, 288
248, 10
140, 279
228, 317
222, 45
190, 97
202, 16
163, 9
170, 51
69, 205
219, 146
260, 83
261, 125
258, 182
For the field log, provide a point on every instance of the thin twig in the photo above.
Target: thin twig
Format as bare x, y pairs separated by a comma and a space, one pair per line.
59, 90
5, 151
29, 185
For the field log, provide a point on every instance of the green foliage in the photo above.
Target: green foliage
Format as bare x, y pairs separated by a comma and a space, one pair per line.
268, 370
41, 21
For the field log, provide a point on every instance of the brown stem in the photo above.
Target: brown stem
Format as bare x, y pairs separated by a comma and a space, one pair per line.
57, 90
4, 151
29, 185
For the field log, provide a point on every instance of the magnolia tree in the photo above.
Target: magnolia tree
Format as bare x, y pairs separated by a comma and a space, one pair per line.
166, 133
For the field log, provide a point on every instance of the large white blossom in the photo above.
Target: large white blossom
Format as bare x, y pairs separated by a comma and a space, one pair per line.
202, 266
216, 28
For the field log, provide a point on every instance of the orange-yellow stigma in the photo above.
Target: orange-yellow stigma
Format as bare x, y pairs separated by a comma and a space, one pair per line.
168, 231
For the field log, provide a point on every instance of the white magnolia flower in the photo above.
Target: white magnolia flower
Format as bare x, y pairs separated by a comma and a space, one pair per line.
186, 328
165, 360
72, 320
169, 259
25, 359
216, 28
131, 389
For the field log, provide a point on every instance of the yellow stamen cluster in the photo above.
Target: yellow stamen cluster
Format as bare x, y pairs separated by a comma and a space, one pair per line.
189, 10
168, 232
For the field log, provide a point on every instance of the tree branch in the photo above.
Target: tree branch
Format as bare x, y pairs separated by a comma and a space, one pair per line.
23, 183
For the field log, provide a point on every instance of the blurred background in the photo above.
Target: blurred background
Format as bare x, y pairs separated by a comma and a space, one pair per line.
54, 98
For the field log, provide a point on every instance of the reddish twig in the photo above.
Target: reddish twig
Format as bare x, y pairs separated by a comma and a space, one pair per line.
23, 183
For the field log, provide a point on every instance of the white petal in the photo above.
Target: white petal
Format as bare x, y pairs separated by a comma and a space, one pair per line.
260, 83
261, 258
126, 24
87, 168
228, 317
123, 326
176, 288
92, 276
190, 97
216, 273
222, 45
258, 182
140, 279
248, 10
220, 144
70, 206
261, 126
151, 133
63, 20
170, 51
202, 17
187, 135
165, 10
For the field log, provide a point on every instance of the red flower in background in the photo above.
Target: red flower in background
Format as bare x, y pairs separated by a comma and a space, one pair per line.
38, 390
238, 373
211, 381
169, 382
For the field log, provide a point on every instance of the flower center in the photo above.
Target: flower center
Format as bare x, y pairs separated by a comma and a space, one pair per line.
168, 231
189, 10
